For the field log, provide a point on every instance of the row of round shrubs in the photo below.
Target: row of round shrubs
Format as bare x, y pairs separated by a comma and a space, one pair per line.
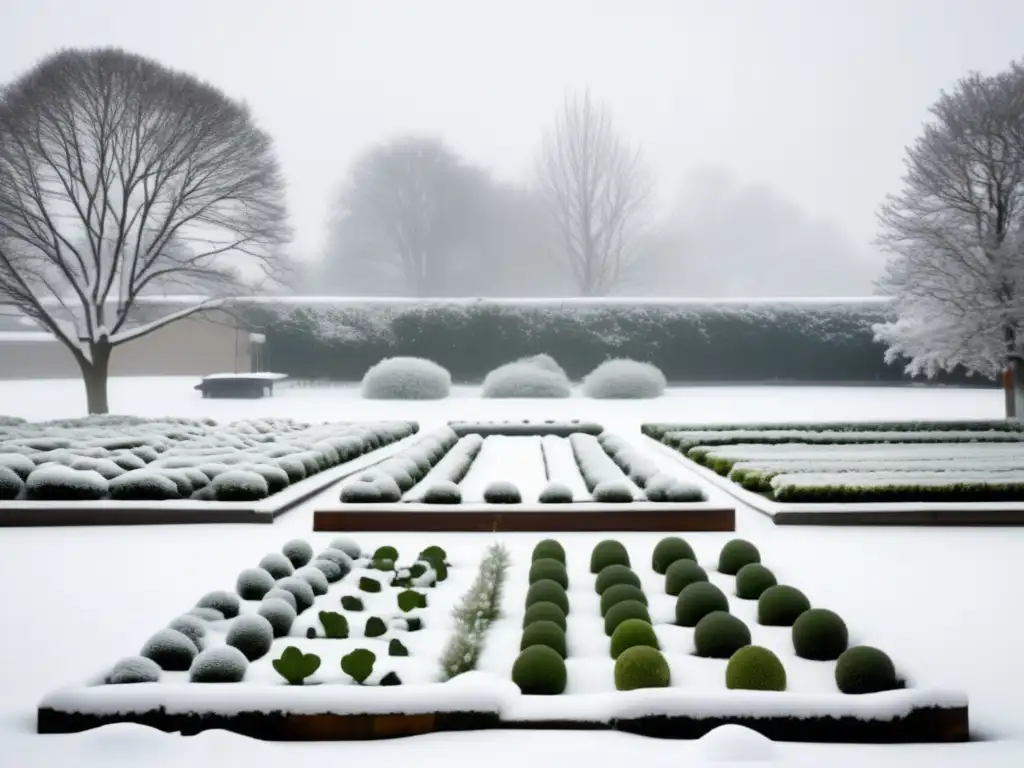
388, 481
540, 376
539, 669
641, 470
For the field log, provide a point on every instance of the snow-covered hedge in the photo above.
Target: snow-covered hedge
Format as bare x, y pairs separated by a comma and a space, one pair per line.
643, 471
387, 481
532, 377
879, 487
525, 428
624, 379
596, 466
406, 378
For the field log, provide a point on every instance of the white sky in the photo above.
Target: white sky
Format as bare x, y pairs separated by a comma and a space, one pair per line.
815, 98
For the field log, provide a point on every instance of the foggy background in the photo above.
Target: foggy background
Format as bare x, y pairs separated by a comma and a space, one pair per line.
773, 128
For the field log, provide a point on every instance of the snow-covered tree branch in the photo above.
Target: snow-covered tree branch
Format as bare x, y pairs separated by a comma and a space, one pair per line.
120, 178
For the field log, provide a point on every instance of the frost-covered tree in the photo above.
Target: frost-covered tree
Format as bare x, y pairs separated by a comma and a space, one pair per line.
120, 177
597, 189
954, 233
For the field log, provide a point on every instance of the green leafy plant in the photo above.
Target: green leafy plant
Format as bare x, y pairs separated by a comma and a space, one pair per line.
390, 679
395, 648
375, 627
351, 603
410, 599
433, 554
383, 564
369, 585
335, 625
295, 666
359, 664
385, 553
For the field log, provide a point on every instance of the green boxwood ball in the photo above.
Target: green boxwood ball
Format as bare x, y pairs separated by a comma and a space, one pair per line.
681, 574
781, 605
753, 579
549, 548
754, 668
548, 591
615, 574
668, 551
619, 592
539, 671
630, 633
544, 633
735, 554
698, 600
608, 552
819, 635
719, 635
641, 667
864, 669
549, 568
627, 609
544, 612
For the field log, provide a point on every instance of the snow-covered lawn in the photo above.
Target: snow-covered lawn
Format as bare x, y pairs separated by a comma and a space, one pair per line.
945, 600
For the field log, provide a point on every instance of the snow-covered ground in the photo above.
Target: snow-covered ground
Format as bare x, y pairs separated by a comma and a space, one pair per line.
75, 600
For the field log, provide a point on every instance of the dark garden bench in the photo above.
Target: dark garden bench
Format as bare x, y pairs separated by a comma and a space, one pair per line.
239, 385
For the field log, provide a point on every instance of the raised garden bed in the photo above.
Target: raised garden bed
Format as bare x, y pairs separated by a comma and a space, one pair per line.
468, 481
490, 641
943, 473
129, 471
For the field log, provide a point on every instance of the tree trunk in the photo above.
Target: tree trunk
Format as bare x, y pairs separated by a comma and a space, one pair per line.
94, 374
1009, 392
1017, 380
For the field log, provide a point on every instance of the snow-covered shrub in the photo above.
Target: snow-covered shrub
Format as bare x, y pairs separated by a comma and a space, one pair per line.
545, 363
330, 569
298, 552
523, 379
719, 635
145, 452
221, 600
292, 467
624, 379
212, 469
641, 667
191, 627
182, 481
663, 487
279, 613
55, 482
300, 588
502, 492
539, 671
18, 463
349, 546
277, 565
556, 493
444, 492
282, 594
134, 669
338, 558
361, 492
277, 478
475, 612
143, 485
406, 378
753, 668
11, 485
171, 650
252, 634
612, 492
315, 578
389, 490
206, 614
240, 485
223, 664
127, 461
254, 583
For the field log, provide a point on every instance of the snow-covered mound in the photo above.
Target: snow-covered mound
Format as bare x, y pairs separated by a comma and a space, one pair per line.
625, 379
406, 378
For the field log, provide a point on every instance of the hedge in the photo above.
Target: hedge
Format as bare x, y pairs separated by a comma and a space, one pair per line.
826, 340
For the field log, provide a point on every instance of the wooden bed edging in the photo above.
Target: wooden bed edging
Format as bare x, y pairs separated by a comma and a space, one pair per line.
923, 725
520, 429
633, 517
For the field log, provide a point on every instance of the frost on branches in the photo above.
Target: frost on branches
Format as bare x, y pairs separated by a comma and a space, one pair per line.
955, 234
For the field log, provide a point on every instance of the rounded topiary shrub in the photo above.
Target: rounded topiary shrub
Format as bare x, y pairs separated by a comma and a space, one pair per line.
443, 492
754, 668
277, 565
697, 600
752, 580
221, 600
620, 612
134, 669
240, 485
11, 485
719, 635
624, 379
277, 479
631, 633
349, 546
191, 627
406, 378
820, 635
282, 594
55, 482
548, 591
612, 492
206, 614
361, 492
280, 613
314, 577
549, 548
254, 583
555, 493
171, 650
549, 568
252, 635
539, 671
22, 465
681, 574
619, 592
864, 669
223, 664
608, 552
298, 551
662, 487
669, 550
781, 605
615, 574
502, 492
523, 379
735, 554
330, 569
544, 612
544, 633
300, 588
390, 492
143, 485
641, 667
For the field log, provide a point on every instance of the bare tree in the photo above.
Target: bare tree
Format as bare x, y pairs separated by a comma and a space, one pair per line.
407, 210
597, 188
955, 237
118, 178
